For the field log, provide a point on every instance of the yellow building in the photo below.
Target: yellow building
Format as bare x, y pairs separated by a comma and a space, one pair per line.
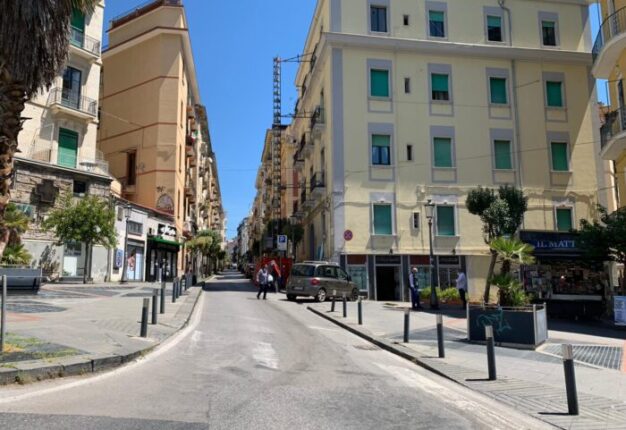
609, 56
154, 131
407, 101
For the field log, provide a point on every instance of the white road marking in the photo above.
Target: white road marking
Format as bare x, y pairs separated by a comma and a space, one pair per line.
265, 355
446, 395
334, 330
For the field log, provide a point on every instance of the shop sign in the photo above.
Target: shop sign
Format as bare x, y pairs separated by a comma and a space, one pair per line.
166, 230
388, 259
119, 258
449, 260
550, 241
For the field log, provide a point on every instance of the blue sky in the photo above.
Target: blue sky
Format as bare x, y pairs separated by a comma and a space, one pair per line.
234, 43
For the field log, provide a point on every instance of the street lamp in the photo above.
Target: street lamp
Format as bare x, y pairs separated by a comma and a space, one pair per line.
128, 210
430, 213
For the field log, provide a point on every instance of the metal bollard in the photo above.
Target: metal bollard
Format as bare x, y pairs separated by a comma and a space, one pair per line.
491, 352
163, 299
360, 309
570, 379
174, 290
144, 317
332, 304
345, 307
442, 352
406, 325
3, 320
155, 305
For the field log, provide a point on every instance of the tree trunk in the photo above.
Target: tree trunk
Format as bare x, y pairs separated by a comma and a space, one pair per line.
12, 99
492, 266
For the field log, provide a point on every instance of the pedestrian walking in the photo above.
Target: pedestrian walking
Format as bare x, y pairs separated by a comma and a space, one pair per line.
461, 285
414, 286
262, 279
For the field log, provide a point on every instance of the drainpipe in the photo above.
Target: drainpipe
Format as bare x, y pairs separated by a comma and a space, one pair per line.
514, 101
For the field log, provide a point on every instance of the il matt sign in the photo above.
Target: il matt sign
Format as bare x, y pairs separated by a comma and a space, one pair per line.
551, 241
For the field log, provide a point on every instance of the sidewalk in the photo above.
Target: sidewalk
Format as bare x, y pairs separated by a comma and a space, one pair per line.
531, 381
73, 329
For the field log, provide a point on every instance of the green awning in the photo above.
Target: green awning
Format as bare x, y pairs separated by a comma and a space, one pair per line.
165, 241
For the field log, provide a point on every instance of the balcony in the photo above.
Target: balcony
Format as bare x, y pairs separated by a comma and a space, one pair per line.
189, 188
318, 122
46, 151
317, 185
142, 9
609, 44
190, 140
71, 102
83, 45
613, 135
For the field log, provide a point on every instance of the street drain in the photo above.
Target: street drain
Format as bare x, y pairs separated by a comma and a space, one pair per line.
609, 357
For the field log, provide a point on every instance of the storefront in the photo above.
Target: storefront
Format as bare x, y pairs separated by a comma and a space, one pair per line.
162, 253
560, 276
136, 260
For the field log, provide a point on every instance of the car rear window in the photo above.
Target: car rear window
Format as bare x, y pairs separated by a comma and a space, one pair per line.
302, 270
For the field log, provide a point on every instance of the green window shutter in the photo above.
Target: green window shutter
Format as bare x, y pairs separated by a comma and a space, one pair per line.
68, 148
382, 219
445, 221
559, 156
502, 150
439, 82
494, 21
381, 140
548, 24
78, 20
436, 16
554, 92
379, 82
443, 152
564, 219
497, 89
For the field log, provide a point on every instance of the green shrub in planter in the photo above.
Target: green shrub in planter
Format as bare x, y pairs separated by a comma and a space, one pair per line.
445, 295
510, 291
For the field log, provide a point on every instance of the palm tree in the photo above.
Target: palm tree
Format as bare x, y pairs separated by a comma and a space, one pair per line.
511, 251
34, 39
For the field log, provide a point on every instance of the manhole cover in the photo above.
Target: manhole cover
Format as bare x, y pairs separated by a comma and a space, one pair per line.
367, 347
609, 357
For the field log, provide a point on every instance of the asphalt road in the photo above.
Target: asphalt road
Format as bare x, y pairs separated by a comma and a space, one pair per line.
245, 363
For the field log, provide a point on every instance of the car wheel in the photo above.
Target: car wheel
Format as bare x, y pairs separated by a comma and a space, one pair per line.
321, 295
354, 296
291, 297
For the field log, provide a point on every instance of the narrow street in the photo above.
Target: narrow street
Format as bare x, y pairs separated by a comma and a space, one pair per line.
248, 363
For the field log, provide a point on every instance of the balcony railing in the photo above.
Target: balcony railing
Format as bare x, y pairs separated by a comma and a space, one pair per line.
318, 117
303, 196
84, 42
44, 150
317, 181
73, 100
613, 25
615, 123
142, 9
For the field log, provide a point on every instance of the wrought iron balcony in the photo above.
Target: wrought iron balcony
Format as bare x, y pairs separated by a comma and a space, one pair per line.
612, 27
73, 100
317, 182
318, 117
84, 42
613, 134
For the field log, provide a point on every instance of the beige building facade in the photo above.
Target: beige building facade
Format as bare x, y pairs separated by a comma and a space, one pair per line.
409, 101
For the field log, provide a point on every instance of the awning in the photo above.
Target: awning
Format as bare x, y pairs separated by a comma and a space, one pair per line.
165, 241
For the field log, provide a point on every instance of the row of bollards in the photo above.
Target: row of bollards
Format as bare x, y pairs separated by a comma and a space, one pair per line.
568, 357
177, 290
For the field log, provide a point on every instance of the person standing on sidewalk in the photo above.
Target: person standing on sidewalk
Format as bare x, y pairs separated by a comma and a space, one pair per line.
261, 280
414, 286
461, 285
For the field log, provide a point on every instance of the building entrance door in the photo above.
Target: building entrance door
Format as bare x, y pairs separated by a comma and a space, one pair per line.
388, 283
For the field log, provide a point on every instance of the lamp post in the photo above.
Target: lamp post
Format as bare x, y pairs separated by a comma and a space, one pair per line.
128, 210
430, 213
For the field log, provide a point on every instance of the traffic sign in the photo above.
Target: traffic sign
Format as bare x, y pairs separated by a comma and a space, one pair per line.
347, 235
282, 242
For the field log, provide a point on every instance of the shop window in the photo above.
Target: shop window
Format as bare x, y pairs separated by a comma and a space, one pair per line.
443, 152
554, 94
382, 219
378, 19
381, 150
497, 91
440, 84
494, 28
502, 153
564, 219
446, 225
379, 83
560, 159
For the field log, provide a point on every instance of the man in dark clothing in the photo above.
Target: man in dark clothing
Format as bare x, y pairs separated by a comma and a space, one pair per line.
261, 279
414, 286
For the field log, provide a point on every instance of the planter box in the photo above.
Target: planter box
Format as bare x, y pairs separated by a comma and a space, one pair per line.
520, 327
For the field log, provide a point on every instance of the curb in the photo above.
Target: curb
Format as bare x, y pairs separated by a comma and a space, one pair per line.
33, 371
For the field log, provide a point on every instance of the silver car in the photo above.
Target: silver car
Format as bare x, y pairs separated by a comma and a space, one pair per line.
321, 280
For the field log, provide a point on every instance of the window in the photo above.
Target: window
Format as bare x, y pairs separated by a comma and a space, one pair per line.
135, 228
381, 149
77, 20
440, 86
67, 154
378, 19
379, 83
79, 188
502, 153
494, 28
416, 220
560, 160
548, 32
443, 152
564, 219
436, 22
407, 85
445, 221
409, 153
405, 20
326, 272
497, 91
341, 274
554, 93
382, 219
131, 166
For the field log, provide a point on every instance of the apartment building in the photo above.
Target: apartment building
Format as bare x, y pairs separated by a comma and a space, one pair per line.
408, 102
154, 130
58, 153
609, 56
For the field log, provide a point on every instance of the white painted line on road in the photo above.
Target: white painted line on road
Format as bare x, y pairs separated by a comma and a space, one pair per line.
265, 355
325, 329
447, 395
157, 352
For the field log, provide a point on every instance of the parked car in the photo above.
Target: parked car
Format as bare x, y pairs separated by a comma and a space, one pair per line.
321, 280
22, 279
